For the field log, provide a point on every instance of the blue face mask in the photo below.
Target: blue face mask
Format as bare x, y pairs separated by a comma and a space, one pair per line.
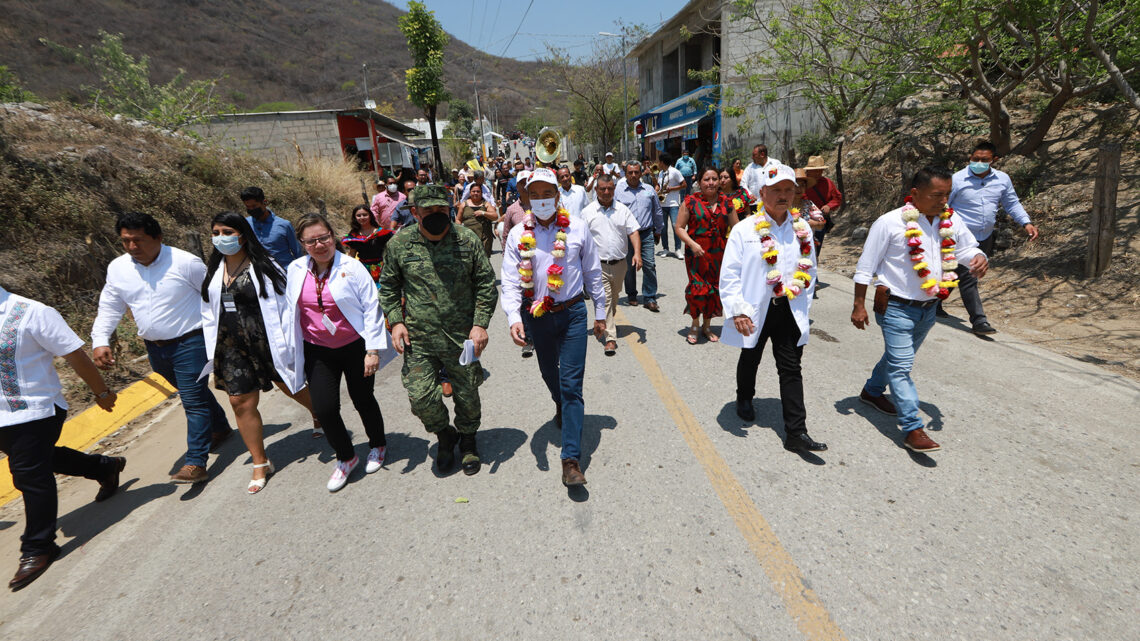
228, 245
979, 168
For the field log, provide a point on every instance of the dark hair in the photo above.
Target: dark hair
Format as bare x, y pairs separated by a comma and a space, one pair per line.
138, 220
706, 169
985, 145
354, 226
923, 177
667, 159
734, 161
761, 148
606, 178
253, 193
731, 177
258, 256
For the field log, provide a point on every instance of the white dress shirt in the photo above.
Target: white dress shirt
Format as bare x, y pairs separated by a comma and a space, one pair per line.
672, 177
580, 265
574, 199
31, 336
744, 288
887, 255
165, 297
610, 228
755, 175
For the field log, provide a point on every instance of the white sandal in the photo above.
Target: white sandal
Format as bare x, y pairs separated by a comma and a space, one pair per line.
256, 485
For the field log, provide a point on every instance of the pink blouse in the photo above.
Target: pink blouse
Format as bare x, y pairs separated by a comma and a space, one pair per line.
312, 326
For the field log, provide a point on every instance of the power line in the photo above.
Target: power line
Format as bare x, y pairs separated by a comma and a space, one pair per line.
511, 41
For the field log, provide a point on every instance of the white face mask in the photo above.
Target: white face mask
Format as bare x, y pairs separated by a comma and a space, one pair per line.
543, 207
392, 188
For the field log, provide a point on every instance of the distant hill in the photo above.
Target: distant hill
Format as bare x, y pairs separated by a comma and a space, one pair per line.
307, 53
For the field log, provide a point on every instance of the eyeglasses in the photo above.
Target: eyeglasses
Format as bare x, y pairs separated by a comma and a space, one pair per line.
319, 240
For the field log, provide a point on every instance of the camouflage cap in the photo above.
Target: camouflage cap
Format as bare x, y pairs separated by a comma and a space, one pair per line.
429, 196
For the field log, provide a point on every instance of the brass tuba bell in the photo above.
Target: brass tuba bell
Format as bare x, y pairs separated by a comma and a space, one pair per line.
549, 146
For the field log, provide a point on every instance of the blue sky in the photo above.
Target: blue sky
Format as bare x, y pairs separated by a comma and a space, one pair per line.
489, 24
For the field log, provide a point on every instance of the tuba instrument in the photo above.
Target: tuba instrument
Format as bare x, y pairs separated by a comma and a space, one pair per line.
548, 146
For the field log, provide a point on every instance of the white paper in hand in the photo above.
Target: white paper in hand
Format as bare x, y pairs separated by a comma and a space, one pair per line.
468, 356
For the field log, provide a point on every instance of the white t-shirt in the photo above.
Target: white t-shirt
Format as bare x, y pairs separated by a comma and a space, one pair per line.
672, 178
613, 169
31, 336
610, 228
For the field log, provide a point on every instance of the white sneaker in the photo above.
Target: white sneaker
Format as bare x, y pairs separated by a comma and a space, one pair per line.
340, 474
375, 459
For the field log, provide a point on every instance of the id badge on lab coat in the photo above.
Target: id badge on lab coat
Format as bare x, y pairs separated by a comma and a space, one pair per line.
329, 325
228, 302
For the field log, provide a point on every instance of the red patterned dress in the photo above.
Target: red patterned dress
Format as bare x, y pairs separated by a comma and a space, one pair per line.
707, 226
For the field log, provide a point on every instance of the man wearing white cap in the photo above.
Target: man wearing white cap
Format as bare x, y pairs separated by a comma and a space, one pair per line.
612, 168
767, 278
516, 212
547, 262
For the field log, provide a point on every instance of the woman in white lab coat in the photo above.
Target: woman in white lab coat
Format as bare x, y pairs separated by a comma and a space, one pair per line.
249, 344
338, 333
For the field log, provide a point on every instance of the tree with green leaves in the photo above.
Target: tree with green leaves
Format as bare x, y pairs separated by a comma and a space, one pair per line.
426, 41
125, 85
11, 89
595, 87
458, 136
530, 124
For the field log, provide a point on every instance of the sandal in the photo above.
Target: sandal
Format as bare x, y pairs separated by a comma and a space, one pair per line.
713, 338
257, 485
692, 337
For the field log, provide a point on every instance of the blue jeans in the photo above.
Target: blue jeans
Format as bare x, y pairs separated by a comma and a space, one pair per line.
560, 344
648, 269
670, 214
181, 364
904, 328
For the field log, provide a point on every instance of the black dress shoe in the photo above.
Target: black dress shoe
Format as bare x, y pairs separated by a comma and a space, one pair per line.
30, 569
983, 328
109, 483
803, 443
745, 410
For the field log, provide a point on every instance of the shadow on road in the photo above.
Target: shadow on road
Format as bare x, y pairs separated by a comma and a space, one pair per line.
549, 435
89, 521
887, 425
959, 324
769, 414
626, 330
413, 450
498, 445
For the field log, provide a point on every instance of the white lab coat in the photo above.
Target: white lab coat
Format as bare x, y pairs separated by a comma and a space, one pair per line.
274, 313
353, 290
744, 289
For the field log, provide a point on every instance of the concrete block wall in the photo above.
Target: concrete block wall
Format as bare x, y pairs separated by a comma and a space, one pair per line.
272, 136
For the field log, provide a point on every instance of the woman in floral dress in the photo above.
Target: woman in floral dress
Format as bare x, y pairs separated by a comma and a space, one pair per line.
702, 224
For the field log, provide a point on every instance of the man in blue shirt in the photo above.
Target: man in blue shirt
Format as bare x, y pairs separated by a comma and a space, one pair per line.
275, 233
646, 208
688, 168
976, 193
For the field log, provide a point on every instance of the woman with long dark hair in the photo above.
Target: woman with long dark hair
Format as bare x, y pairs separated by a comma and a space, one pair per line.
740, 201
338, 333
244, 323
366, 240
702, 225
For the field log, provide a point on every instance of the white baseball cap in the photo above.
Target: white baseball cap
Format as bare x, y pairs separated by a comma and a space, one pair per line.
779, 174
543, 175
609, 154
522, 176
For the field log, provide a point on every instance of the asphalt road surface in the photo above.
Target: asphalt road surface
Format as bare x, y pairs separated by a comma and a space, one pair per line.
693, 525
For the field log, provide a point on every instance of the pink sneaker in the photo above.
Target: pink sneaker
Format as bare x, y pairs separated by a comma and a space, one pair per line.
340, 474
375, 459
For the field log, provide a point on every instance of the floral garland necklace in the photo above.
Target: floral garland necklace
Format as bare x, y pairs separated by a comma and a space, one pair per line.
913, 234
801, 279
527, 248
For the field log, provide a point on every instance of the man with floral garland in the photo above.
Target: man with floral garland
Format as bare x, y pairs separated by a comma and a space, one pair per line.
767, 277
546, 261
914, 251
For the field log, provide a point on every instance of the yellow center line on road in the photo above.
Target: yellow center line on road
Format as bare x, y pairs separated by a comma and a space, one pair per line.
92, 424
801, 602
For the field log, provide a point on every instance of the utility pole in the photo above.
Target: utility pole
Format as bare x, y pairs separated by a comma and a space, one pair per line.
479, 115
364, 70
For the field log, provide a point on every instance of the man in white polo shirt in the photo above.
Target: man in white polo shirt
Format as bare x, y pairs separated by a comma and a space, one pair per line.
162, 288
573, 197
614, 229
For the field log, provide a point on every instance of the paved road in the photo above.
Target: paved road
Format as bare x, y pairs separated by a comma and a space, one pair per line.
1025, 526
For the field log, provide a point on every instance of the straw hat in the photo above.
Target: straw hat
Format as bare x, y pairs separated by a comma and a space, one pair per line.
816, 162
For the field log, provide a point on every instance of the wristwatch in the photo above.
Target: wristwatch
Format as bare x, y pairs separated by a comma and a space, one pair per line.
103, 394
372, 352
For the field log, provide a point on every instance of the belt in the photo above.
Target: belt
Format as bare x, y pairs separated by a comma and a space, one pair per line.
171, 341
922, 304
614, 261
777, 301
557, 307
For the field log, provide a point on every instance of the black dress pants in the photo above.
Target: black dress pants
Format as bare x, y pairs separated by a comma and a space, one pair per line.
779, 327
324, 368
34, 461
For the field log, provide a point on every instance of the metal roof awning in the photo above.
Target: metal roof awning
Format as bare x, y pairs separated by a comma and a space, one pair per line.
664, 132
700, 94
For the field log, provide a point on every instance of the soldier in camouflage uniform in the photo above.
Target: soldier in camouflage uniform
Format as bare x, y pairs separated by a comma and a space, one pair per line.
438, 290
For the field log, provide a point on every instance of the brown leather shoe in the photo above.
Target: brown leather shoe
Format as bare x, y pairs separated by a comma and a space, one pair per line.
632, 301
109, 484
918, 441
30, 569
611, 348
878, 402
190, 474
571, 473
652, 306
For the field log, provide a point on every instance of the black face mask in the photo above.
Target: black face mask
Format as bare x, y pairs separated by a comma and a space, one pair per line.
256, 213
436, 223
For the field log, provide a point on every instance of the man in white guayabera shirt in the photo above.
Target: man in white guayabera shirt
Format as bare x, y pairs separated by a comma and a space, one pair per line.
162, 288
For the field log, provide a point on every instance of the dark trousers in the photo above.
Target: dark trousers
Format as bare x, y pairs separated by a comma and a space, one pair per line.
34, 461
968, 286
779, 326
324, 368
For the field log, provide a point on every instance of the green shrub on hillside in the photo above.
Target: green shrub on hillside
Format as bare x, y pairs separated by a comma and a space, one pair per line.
10, 89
